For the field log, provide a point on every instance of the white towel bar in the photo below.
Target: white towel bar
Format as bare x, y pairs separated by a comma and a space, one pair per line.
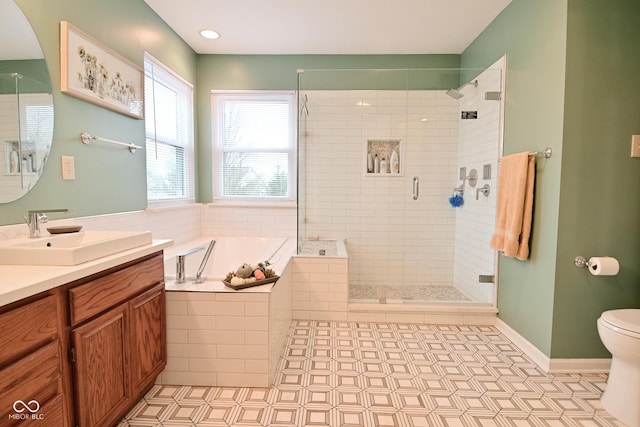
85, 137
546, 153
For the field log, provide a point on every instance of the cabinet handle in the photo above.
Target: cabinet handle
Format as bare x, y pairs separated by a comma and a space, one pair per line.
416, 187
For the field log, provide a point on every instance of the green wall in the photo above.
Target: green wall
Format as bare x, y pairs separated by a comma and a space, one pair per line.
532, 34
571, 85
35, 76
108, 178
599, 204
280, 72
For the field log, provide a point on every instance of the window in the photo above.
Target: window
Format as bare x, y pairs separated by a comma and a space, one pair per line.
254, 155
169, 134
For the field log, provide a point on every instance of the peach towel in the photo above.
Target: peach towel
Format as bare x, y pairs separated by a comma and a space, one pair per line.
515, 205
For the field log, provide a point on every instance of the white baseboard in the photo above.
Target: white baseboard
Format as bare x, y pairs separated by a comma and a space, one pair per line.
579, 366
553, 366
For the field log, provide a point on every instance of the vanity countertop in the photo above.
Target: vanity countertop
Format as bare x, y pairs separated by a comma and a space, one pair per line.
22, 281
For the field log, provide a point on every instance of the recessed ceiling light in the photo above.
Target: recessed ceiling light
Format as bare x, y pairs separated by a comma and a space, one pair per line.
209, 34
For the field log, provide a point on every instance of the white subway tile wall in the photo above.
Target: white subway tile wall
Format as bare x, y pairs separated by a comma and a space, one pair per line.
478, 145
391, 238
267, 221
321, 288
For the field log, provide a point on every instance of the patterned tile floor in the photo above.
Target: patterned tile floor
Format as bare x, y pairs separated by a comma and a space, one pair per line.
352, 374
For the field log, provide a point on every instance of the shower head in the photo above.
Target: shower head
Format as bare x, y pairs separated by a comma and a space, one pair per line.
456, 94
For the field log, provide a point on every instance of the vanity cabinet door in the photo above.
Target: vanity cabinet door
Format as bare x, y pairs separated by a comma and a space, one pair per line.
148, 337
118, 339
101, 368
32, 375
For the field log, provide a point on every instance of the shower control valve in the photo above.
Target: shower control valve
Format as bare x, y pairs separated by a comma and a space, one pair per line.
485, 190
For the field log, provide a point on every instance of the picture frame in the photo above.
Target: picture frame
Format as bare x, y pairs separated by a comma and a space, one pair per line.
91, 71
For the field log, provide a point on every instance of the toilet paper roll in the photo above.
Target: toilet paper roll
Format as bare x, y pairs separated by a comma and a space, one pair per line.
603, 266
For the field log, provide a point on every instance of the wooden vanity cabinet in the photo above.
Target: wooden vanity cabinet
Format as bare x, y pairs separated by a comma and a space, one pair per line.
118, 339
32, 371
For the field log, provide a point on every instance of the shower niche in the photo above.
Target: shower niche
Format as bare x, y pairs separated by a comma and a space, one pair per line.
383, 157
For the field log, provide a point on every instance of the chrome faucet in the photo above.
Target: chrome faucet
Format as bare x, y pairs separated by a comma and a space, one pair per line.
181, 272
37, 217
204, 262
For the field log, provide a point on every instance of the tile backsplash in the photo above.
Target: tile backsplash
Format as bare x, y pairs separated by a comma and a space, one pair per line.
181, 224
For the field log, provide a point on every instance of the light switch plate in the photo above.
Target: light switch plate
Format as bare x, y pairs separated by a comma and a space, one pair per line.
635, 146
68, 168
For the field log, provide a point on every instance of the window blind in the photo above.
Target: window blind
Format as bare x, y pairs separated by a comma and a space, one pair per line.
169, 134
255, 145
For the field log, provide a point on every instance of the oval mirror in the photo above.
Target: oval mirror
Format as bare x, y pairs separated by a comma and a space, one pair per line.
26, 105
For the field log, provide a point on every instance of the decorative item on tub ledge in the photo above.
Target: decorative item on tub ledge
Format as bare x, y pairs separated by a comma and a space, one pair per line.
248, 275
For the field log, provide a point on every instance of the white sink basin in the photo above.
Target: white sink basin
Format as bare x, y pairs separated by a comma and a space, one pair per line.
70, 249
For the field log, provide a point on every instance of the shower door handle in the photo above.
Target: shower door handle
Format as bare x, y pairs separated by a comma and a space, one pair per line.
416, 188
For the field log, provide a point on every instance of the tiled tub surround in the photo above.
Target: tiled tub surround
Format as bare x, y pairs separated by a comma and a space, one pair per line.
217, 336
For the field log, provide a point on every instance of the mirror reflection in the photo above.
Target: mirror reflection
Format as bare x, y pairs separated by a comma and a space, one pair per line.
26, 105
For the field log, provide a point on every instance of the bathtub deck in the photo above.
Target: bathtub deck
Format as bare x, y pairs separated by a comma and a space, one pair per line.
213, 286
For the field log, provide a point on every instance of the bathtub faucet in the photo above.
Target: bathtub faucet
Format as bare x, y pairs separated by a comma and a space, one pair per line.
207, 254
181, 272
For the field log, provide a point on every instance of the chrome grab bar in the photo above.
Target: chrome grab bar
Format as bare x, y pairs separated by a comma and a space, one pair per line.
416, 187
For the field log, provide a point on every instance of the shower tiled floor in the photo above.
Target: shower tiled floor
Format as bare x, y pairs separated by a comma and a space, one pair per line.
352, 374
425, 293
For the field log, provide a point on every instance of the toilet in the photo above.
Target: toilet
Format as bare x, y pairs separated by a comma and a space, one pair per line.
620, 333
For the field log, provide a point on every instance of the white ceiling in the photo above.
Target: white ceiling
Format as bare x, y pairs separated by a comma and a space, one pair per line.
329, 26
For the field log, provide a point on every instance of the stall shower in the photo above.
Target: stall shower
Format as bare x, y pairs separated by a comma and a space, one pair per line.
381, 155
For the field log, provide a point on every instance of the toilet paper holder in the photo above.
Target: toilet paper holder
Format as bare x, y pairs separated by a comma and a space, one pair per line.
581, 262
599, 266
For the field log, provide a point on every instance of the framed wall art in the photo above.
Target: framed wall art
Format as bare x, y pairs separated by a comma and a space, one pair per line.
91, 71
